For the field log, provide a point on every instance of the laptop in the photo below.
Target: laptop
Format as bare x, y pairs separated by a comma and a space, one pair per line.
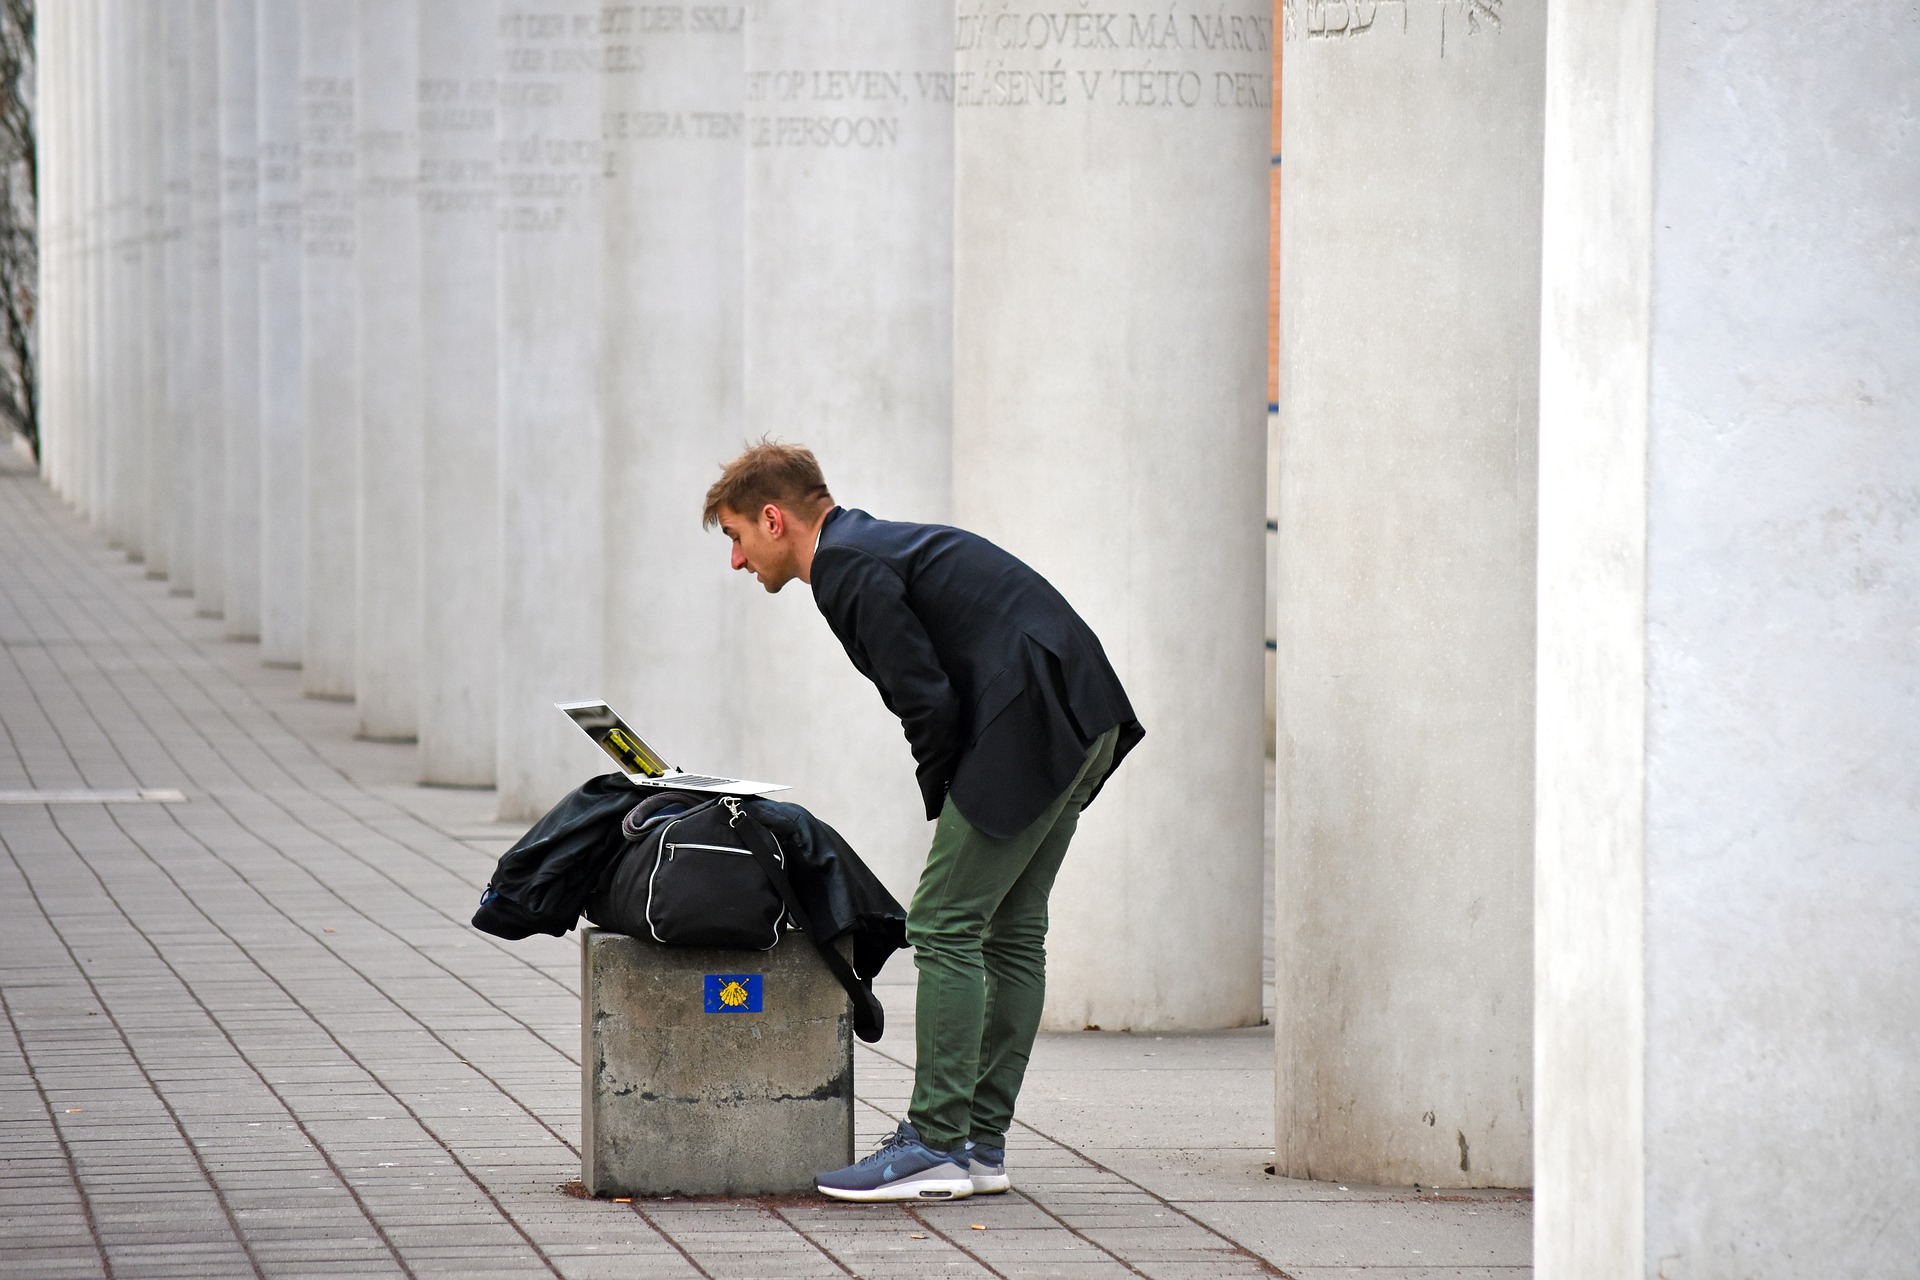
645, 766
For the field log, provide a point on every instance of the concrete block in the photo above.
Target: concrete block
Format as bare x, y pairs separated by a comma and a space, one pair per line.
676, 1100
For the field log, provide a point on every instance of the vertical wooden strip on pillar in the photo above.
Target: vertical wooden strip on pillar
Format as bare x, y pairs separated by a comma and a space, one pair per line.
674, 210
283, 541
207, 327
177, 146
848, 349
1408, 384
329, 356
240, 316
1109, 429
459, 284
1273, 390
552, 445
1273, 227
387, 260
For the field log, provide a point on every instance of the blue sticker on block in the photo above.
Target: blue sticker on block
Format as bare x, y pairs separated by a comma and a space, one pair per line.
733, 993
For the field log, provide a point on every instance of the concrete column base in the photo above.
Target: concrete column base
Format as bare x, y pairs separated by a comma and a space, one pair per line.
679, 1101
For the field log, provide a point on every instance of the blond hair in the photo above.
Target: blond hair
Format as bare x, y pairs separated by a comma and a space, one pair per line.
785, 475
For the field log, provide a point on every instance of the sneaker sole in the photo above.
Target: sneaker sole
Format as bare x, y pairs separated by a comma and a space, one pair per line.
991, 1184
906, 1189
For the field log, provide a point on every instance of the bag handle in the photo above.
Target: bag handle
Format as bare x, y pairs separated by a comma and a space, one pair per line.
869, 1016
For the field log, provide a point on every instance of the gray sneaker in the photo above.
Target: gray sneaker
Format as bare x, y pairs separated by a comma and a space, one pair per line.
902, 1168
987, 1169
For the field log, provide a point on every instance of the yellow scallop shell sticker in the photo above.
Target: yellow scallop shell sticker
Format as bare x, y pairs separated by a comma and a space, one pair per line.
734, 993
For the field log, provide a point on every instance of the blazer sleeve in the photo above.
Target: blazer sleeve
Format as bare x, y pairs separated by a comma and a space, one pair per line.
865, 602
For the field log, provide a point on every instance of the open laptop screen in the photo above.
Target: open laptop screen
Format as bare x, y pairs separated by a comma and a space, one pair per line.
616, 739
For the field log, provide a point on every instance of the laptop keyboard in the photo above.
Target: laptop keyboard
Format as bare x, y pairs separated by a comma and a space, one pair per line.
691, 780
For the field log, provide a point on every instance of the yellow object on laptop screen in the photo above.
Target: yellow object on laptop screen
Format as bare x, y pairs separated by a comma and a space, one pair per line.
604, 727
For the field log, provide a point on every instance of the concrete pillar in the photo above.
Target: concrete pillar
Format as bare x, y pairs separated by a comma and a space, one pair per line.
387, 260
849, 178
208, 329
50, 110
459, 280
83, 150
240, 314
157, 479
674, 132
552, 513
181, 466
106, 48
72, 465
90, 492
136, 277
1109, 428
86, 262
283, 540
71, 437
1728, 874
329, 355
1409, 320
124, 496
136, 125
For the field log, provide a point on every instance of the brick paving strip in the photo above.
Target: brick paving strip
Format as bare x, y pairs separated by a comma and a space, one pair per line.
250, 1032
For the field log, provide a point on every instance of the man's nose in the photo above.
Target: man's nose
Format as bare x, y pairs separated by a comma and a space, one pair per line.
738, 559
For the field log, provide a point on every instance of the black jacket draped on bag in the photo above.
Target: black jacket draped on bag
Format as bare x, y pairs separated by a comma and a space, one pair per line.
544, 882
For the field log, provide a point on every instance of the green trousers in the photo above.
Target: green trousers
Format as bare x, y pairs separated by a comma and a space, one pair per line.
978, 925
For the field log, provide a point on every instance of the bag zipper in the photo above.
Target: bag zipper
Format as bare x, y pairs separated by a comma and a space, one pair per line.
710, 848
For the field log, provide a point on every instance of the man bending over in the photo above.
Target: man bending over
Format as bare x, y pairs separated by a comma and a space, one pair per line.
1015, 718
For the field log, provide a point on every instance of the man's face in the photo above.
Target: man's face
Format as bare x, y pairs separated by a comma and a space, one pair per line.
762, 546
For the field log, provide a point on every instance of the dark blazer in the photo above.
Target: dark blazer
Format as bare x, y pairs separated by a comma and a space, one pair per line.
1000, 686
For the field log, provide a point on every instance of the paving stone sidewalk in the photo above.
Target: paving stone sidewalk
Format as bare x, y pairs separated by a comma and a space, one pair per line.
252, 1034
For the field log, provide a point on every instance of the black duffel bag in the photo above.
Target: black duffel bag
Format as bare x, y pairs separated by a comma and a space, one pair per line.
688, 878
701, 872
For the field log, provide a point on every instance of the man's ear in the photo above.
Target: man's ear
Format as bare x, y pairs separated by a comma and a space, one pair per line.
774, 519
